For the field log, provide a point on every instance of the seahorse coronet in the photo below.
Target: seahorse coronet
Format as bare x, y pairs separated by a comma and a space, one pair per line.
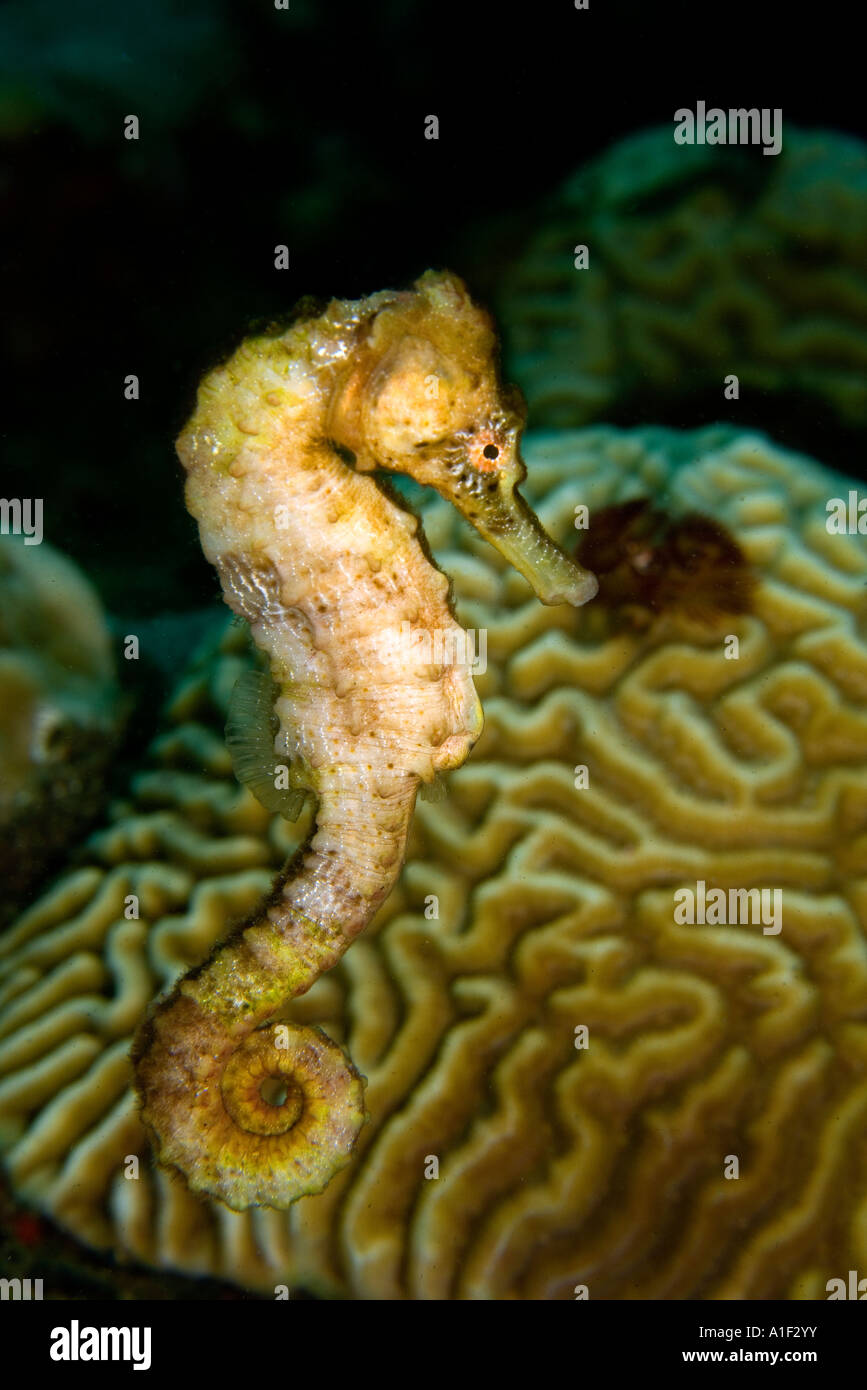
331, 573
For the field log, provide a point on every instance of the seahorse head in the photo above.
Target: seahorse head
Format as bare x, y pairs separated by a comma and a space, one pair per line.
422, 395
424, 386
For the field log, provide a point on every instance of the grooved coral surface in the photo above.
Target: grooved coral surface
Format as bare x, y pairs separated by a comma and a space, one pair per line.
703, 261
557, 1165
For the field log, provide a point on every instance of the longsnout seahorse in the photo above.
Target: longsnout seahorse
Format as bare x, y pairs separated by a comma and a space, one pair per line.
327, 568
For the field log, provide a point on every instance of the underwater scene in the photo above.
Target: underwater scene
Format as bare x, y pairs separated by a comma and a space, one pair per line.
433, 662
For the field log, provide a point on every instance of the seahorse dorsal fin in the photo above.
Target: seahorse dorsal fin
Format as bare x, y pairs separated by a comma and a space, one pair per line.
435, 790
250, 729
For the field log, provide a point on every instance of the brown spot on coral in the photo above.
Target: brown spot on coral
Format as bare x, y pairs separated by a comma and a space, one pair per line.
649, 563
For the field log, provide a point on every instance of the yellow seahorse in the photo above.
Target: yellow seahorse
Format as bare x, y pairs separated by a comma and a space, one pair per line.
326, 567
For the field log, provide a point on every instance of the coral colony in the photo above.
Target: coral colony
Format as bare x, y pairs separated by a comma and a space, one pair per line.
692, 266
537, 898
60, 706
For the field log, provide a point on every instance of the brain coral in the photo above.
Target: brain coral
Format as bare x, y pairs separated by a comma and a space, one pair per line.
528, 907
704, 260
58, 709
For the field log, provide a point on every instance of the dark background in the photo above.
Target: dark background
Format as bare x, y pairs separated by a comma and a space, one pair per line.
305, 127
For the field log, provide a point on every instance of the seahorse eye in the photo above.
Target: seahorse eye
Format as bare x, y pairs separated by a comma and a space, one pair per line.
485, 448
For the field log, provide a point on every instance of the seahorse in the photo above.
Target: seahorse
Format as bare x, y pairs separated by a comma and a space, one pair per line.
328, 566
